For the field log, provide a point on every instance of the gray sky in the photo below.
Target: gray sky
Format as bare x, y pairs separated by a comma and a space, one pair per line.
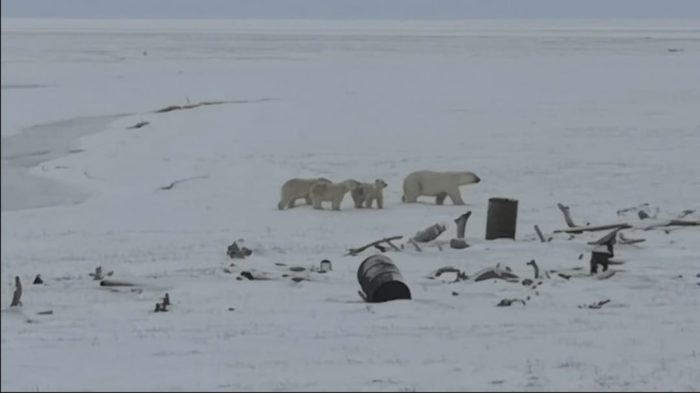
354, 9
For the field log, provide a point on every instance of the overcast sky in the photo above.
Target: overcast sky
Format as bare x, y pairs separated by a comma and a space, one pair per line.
353, 9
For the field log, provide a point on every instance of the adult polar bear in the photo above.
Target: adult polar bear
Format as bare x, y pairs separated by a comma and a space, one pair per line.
437, 184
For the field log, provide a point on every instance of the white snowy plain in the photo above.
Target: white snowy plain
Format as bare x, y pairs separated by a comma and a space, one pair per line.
597, 115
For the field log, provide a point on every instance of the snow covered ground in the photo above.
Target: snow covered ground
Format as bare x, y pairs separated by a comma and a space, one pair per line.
597, 115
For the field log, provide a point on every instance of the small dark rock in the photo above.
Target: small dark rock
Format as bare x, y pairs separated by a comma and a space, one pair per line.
580, 256
231, 309
527, 282
297, 279
455, 293
297, 269
38, 280
247, 275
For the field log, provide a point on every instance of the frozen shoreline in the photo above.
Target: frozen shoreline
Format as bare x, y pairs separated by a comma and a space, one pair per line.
38, 144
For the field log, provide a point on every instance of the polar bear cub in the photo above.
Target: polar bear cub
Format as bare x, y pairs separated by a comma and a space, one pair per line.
437, 184
331, 192
296, 188
366, 193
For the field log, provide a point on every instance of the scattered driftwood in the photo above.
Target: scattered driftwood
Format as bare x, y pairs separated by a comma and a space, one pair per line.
495, 273
566, 210
594, 228
508, 302
534, 266
116, 283
564, 276
595, 305
97, 275
171, 185
355, 251
138, 125
252, 275
430, 233
236, 251
38, 280
539, 234
17, 295
171, 108
624, 240
460, 275
47, 312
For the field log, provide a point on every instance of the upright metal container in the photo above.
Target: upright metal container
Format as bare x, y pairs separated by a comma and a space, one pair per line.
381, 280
501, 218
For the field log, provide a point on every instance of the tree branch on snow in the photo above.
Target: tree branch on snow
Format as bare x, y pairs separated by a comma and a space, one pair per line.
355, 251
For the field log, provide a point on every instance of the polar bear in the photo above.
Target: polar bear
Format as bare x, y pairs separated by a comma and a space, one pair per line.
437, 184
296, 188
366, 193
331, 192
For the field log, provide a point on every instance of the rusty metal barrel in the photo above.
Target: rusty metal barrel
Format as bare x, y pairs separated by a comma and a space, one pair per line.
381, 280
501, 218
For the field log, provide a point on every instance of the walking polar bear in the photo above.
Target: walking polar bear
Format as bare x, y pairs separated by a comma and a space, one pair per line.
331, 192
296, 188
437, 184
366, 193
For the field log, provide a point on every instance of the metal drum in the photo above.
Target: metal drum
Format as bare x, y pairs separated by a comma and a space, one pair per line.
501, 218
381, 280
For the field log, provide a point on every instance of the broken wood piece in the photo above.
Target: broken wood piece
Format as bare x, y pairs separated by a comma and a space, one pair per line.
116, 283
534, 266
594, 228
508, 302
355, 251
461, 222
566, 210
47, 312
490, 273
430, 233
595, 305
17, 295
539, 234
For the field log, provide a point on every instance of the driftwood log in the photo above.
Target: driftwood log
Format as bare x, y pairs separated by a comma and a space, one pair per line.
566, 210
387, 240
461, 222
17, 295
539, 234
